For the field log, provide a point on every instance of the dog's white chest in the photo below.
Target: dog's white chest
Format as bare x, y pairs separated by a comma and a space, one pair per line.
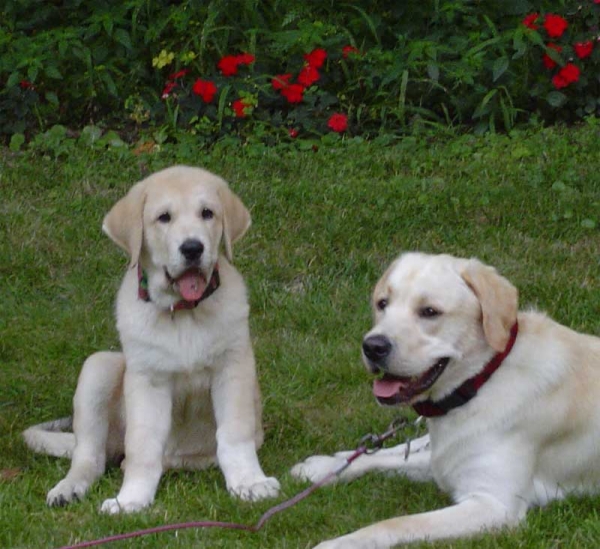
181, 347
185, 342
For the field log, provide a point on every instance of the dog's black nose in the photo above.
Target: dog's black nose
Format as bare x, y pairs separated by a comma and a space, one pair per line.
191, 249
376, 347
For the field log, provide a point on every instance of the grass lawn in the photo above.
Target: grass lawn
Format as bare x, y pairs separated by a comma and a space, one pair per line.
325, 225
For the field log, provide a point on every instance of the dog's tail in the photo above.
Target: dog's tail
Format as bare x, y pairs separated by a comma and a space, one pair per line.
52, 438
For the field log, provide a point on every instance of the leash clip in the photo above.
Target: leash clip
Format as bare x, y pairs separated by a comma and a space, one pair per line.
373, 443
409, 439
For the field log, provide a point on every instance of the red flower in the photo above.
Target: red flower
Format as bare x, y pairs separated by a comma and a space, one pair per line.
293, 133
281, 81
530, 20
245, 59
347, 50
205, 89
308, 76
228, 65
316, 58
293, 93
555, 25
26, 85
240, 108
584, 49
338, 122
168, 89
549, 63
178, 74
565, 76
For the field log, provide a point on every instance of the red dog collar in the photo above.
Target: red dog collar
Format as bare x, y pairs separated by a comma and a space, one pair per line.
469, 388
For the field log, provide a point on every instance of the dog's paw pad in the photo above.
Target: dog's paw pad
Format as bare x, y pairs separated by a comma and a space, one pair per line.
316, 468
254, 491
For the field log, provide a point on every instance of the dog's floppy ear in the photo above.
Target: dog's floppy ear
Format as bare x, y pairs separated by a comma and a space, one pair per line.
124, 222
236, 219
499, 302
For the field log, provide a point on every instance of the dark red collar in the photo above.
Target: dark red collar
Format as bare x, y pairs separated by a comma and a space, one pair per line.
211, 287
469, 388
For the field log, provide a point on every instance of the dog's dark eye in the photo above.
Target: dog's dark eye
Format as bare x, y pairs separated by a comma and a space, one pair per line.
428, 312
164, 217
207, 213
382, 304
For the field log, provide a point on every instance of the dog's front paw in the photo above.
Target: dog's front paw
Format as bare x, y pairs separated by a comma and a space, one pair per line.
315, 468
114, 506
65, 492
254, 490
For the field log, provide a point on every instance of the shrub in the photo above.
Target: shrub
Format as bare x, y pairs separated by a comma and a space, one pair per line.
221, 68
566, 62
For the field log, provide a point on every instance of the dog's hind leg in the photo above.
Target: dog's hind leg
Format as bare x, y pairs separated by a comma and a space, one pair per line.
96, 407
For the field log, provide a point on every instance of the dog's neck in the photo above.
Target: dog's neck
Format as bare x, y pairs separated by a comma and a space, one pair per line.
211, 287
465, 392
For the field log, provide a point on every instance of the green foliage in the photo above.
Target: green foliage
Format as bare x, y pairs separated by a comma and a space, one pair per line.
577, 48
440, 63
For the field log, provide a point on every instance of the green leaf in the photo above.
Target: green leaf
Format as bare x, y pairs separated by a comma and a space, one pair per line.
556, 99
108, 81
222, 104
52, 72
90, 134
588, 224
32, 73
559, 186
107, 23
402, 99
122, 37
13, 79
16, 142
499, 67
52, 98
433, 71
481, 109
62, 47
113, 140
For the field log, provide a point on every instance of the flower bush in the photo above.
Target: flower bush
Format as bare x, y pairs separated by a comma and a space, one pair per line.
309, 70
234, 99
569, 50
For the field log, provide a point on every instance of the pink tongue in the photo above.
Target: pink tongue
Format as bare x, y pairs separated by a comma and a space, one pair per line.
191, 285
386, 388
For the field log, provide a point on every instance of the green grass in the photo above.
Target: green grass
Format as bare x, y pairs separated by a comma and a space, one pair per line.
325, 225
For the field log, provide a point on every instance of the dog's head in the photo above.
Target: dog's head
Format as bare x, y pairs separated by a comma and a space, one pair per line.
172, 223
438, 319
